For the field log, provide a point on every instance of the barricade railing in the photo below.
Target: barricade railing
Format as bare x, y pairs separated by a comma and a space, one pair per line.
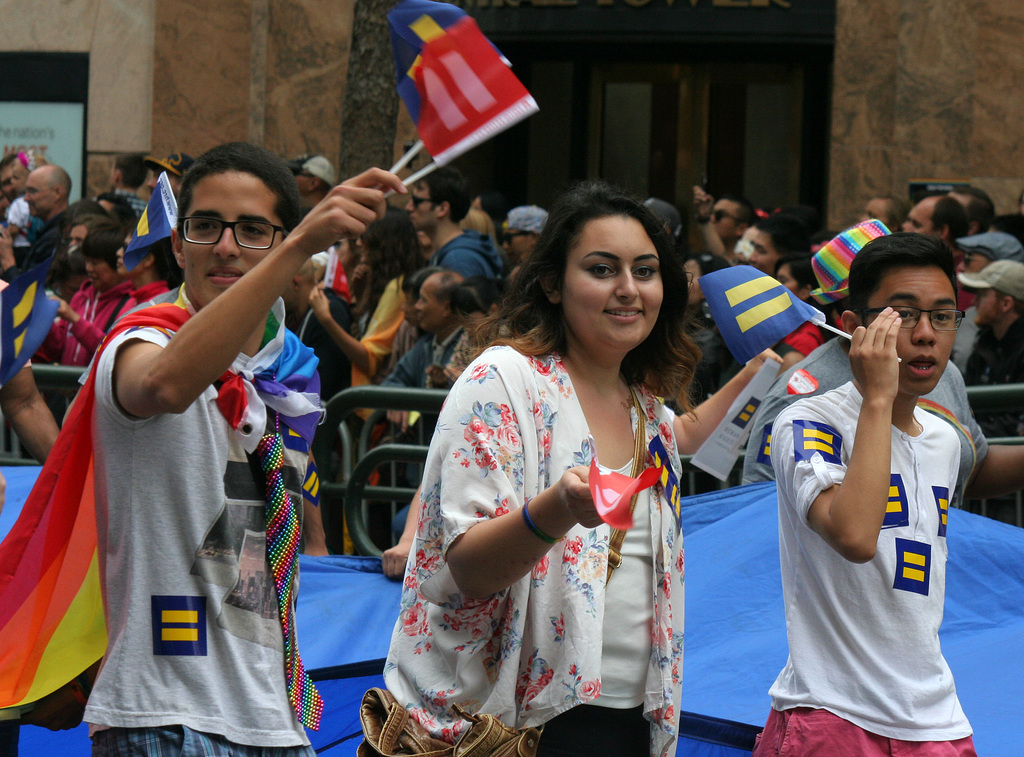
334, 488
347, 463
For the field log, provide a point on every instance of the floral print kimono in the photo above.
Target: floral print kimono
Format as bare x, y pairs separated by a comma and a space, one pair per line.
511, 426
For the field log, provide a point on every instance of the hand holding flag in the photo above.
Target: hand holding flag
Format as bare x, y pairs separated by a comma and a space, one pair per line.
159, 217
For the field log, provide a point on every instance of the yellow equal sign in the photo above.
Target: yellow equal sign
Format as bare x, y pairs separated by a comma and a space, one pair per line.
895, 504
913, 574
819, 440
179, 634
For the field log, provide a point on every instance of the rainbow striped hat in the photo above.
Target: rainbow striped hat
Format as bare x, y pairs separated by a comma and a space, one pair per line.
832, 262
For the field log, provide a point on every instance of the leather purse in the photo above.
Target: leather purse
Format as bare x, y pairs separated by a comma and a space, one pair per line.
389, 731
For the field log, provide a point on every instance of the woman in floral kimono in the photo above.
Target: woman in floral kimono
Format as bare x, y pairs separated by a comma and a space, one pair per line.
508, 606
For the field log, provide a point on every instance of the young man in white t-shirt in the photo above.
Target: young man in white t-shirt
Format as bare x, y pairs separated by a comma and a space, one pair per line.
864, 480
196, 656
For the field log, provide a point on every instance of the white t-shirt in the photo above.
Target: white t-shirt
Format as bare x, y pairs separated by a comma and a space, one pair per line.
864, 638
20, 215
192, 619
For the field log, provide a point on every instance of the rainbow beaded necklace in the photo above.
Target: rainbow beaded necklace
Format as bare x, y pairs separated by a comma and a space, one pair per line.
283, 554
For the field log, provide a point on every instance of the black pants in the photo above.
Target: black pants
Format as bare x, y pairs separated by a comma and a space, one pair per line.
596, 732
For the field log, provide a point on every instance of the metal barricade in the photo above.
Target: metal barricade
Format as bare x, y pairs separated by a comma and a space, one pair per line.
337, 502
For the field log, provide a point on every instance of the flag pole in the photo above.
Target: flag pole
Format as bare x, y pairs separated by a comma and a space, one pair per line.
427, 169
411, 153
834, 330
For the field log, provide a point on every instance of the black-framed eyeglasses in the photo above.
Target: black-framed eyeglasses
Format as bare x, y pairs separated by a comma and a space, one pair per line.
941, 319
508, 236
720, 214
254, 235
417, 201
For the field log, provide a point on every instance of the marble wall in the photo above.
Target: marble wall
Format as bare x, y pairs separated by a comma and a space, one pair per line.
925, 90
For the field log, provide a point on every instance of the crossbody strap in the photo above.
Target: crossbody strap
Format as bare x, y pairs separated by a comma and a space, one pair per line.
639, 458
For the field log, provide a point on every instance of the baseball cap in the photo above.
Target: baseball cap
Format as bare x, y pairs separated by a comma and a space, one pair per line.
668, 213
994, 245
316, 165
1005, 275
527, 218
175, 163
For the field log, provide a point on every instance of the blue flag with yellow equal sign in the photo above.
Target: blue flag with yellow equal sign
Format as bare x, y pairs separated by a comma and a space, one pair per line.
752, 310
26, 315
159, 217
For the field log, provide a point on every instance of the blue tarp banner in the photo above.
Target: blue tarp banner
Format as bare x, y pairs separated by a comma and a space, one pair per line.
735, 627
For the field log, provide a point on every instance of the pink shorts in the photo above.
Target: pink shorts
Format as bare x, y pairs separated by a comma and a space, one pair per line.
808, 731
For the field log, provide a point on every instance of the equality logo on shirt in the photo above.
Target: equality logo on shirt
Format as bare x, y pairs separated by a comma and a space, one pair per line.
897, 512
743, 417
311, 485
764, 449
801, 382
293, 440
810, 437
179, 625
913, 566
941, 494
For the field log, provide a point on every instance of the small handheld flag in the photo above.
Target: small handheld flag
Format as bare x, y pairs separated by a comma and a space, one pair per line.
613, 491
26, 315
753, 311
457, 87
159, 217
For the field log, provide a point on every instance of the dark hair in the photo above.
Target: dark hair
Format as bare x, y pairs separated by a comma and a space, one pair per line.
1011, 223
392, 252
495, 205
949, 212
896, 210
448, 282
250, 159
411, 284
788, 233
119, 209
476, 295
82, 208
709, 263
980, 207
747, 213
449, 185
800, 268
7, 159
133, 169
897, 250
104, 239
531, 324
808, 215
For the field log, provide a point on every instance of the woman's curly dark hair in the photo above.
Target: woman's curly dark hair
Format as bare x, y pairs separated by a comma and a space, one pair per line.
528, 322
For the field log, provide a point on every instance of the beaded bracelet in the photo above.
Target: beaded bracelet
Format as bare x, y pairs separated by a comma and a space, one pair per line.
536, 531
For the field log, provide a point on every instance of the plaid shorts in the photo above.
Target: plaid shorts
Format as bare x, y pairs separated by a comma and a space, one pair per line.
179, 741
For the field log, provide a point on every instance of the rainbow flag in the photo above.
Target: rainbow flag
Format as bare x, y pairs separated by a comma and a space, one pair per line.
51, 608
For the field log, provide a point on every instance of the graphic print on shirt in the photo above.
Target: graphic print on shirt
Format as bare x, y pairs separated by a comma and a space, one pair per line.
811, 437
233, 553
179, 625
897, 509
941, 494
913, 566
